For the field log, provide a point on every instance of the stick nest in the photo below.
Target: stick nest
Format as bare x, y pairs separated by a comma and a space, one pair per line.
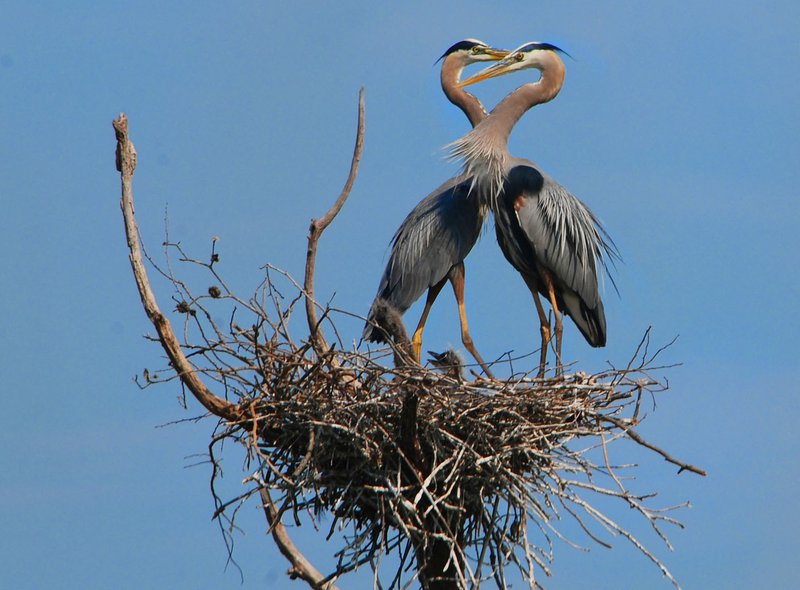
412, 461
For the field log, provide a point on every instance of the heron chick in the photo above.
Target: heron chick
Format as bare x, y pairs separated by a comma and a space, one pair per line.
448, 362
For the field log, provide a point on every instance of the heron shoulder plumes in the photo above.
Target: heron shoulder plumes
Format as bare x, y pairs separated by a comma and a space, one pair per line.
485, 161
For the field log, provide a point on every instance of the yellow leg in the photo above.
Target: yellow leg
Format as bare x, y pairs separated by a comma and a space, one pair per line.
457, 275
559, 326
544, 323
416, 341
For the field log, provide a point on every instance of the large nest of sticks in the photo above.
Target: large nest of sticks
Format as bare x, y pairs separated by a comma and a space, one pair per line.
363, 450
416, 461
458, 478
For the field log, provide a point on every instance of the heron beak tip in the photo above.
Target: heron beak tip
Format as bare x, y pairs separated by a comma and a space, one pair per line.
497, 53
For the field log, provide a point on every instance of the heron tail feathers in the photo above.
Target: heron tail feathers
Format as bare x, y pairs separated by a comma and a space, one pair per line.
590, 321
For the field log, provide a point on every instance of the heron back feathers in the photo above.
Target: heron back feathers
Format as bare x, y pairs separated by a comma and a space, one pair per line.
438, 234
542, 226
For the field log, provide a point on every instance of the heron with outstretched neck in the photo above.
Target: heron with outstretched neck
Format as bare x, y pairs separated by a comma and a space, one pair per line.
430, 246
549, 236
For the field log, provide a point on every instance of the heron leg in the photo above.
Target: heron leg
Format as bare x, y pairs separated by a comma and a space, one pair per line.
433, 293
559, 326
456, 276
544, 323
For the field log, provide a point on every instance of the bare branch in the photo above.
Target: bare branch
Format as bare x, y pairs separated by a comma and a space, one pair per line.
630, 432
301, 567
318, 226
126, 164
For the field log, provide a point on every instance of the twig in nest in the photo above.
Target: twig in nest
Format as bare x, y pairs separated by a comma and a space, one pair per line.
630, 432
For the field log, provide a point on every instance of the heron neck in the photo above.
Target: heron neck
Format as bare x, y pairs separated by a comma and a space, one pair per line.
484, 150
469, 104
510, 110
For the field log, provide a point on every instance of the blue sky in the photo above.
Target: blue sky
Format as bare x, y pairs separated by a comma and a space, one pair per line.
678, 125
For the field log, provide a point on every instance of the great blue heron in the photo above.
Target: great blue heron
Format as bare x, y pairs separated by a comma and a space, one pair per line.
546, 233
430, 246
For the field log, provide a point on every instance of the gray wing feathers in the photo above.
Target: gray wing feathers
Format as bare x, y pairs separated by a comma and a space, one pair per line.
567, 238
569, 241
556, 224
438, 234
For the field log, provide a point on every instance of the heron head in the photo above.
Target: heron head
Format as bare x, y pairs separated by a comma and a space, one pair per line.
530, 55
471, 51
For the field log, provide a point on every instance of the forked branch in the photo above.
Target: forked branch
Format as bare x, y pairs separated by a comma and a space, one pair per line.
319, 225
126, 165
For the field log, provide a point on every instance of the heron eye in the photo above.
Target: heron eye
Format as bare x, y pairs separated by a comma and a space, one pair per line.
519, 57
476, 50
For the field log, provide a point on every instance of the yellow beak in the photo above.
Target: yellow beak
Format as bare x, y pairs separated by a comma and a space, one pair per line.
496, 53
492, 71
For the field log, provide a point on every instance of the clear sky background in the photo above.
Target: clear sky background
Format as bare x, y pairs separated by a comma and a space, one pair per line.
678, 124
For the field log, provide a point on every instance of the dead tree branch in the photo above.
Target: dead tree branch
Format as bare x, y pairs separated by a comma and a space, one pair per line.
301, 567
319, 225
126, 165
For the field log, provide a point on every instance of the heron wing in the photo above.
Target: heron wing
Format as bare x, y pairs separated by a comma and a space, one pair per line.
436, 235
566, 236
567, 240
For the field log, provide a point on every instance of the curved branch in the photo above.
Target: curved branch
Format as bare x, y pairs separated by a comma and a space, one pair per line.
126, 164
319, 225
301, 567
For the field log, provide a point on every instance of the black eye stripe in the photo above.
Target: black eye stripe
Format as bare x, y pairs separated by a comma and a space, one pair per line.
464, 46
541, 46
